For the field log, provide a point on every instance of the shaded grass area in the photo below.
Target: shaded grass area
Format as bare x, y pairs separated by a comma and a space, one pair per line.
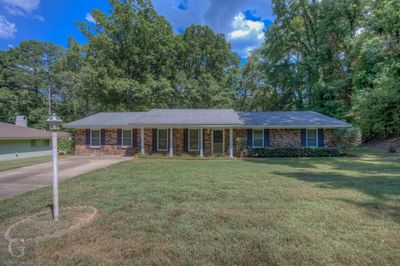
257, 211
11, 164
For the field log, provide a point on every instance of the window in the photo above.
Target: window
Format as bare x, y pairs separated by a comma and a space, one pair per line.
311, 138
193, 139
162, 139
126, 138
258, 138
95, 138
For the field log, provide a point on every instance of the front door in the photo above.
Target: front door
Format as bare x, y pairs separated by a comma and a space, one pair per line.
218, 142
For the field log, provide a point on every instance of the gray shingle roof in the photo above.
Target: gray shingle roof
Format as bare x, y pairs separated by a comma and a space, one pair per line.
114, 119
211, 117
11, 131
289, 119
192, 117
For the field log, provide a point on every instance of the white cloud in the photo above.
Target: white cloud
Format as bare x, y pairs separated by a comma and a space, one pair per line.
25, 5
7, 28
23, 8
218, 15
243, 28
247, 34
90, 18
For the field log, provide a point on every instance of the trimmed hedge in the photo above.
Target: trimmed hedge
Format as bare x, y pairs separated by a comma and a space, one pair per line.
295, 152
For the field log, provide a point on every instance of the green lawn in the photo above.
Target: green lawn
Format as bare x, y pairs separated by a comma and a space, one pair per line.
261, 211
11, 164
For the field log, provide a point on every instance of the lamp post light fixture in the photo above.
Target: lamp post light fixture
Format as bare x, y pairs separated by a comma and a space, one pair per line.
54, 124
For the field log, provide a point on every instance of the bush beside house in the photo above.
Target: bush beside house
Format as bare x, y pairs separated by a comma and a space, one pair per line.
296, 152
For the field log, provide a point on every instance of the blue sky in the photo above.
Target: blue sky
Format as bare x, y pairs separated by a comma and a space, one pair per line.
242, 21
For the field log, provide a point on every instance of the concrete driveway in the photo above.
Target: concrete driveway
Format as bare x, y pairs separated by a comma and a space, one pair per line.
24, 179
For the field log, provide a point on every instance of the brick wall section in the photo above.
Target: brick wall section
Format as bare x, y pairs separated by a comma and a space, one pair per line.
329, 139
278, 138
148, 140
178, 141
110, 147
285, 137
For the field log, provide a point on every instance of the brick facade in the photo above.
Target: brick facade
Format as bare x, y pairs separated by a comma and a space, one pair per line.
285, 137
278, 138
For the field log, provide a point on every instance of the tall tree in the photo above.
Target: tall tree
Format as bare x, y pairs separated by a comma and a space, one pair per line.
28, 85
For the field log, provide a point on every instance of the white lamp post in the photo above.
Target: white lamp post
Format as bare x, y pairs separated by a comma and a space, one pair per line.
54, 123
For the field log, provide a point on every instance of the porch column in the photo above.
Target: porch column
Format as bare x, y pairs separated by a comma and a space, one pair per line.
171, 142
201, 143
231, 143
142, 141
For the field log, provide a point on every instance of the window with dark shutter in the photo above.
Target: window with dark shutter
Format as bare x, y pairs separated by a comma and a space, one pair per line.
249, 137
87, 138
303, 138
266, 137
320, 137
127, 138
193, 139
134, 137
185, 140
119, 137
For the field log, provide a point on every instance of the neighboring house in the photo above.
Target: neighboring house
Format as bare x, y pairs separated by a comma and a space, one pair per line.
201, 132
20, 141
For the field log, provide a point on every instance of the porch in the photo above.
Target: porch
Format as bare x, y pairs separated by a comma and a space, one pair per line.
164, 140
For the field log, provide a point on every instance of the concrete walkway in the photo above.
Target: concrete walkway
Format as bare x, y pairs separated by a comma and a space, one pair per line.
24, 179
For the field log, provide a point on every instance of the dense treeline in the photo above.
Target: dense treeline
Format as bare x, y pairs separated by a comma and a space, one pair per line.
338, 57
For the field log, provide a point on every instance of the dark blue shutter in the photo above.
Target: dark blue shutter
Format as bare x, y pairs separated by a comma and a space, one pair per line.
303, 137
185, 140
320, 137
102, 137
249, 138
134, 137
168, 132
119, 137
154, 142
266, 137
204, 140
87, 138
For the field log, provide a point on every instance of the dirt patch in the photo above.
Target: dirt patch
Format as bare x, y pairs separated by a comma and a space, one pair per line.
40, 226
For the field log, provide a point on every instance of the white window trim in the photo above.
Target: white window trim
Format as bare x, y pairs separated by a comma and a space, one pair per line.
316, 138
223, 140
158, 139
122, 138
252, 138
91, 136
198, 139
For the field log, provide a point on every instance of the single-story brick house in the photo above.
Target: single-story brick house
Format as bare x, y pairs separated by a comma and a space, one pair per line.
201, 132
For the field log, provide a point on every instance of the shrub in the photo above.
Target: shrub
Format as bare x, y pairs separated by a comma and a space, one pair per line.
241, 149
65, 146
347, 138
295, 152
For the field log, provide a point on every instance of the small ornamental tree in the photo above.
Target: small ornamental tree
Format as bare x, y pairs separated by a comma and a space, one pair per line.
65, 146
348, 138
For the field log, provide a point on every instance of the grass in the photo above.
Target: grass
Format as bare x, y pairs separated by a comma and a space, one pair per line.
272, 211
11, 164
